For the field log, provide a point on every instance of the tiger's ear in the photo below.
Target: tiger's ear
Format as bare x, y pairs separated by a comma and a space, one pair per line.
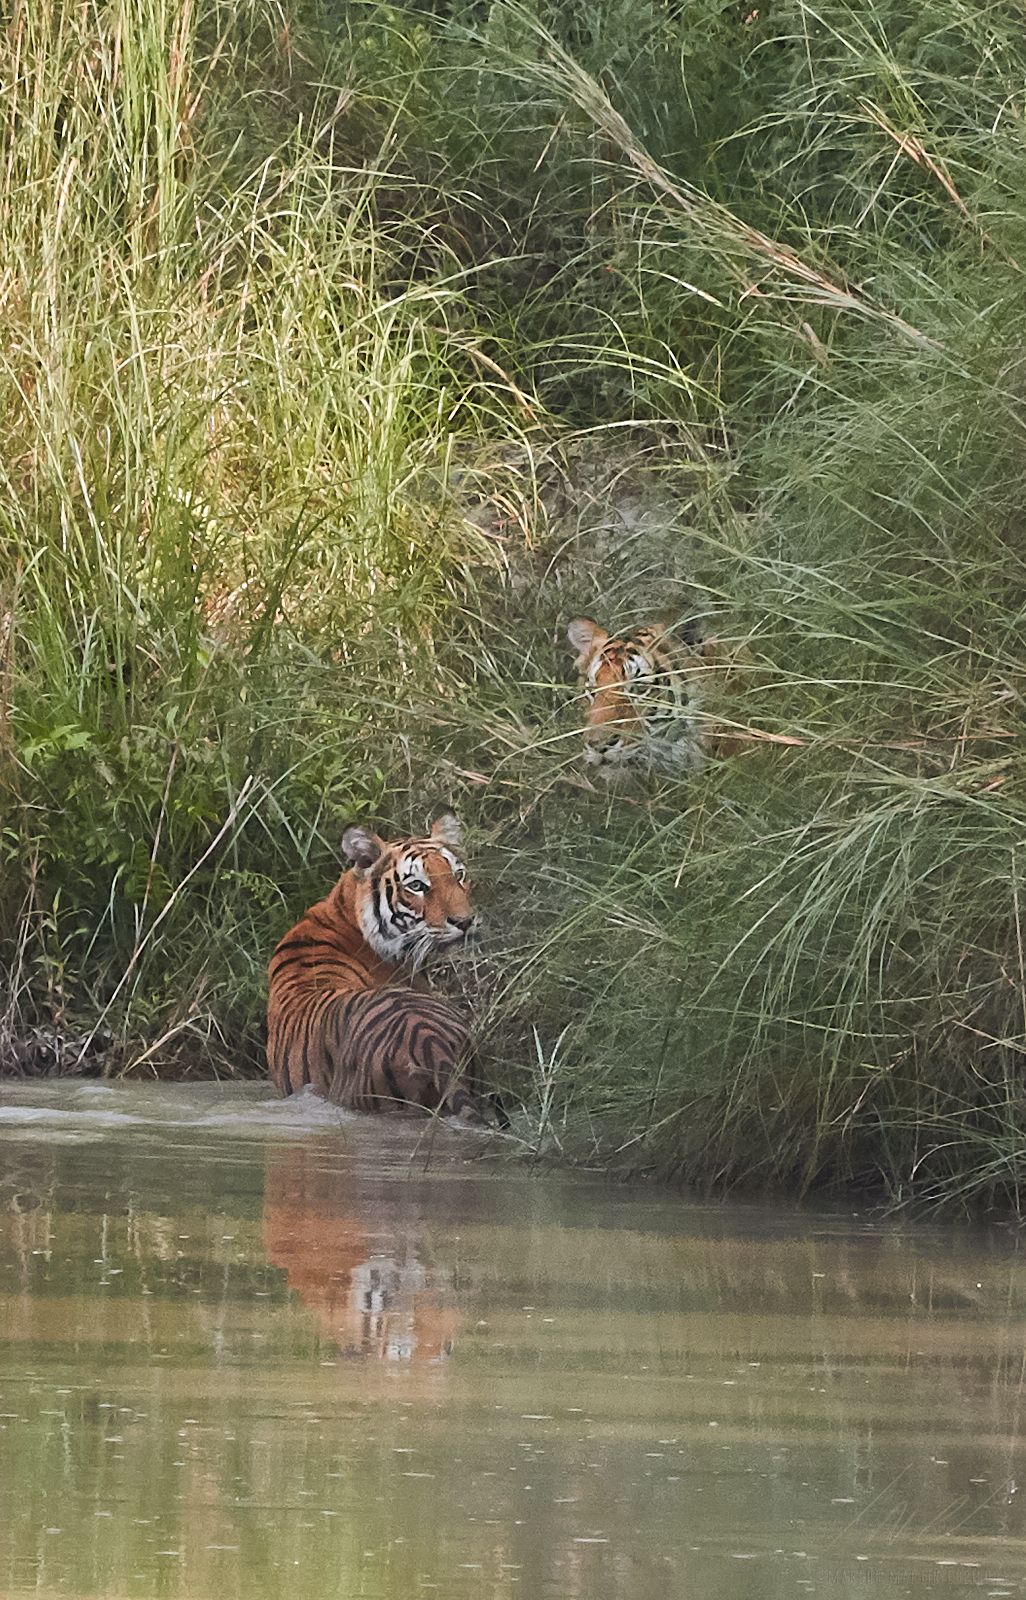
690, 632
361, 846
446, 829
585, 635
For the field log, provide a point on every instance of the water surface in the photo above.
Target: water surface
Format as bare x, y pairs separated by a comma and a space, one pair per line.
254, 1348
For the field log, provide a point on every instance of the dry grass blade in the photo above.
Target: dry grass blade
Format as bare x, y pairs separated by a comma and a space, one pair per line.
737, 240
911, 145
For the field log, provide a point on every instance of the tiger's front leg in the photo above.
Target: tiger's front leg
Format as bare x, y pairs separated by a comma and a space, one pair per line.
463, 1098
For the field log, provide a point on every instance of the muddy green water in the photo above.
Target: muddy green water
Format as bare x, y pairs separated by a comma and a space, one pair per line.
253, 1349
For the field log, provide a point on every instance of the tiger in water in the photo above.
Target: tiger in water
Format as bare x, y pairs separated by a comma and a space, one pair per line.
340, 1016
645, 692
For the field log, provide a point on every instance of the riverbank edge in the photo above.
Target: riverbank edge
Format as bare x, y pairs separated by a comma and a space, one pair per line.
49, 1055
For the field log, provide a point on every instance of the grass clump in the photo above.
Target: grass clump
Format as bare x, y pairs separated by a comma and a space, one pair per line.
346, 356
227, 411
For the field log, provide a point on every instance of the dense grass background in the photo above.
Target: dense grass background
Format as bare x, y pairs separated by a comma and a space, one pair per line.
348, 350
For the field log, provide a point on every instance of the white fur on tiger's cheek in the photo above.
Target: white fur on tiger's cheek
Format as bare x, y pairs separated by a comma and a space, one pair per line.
376, 934
388, 924
376, 926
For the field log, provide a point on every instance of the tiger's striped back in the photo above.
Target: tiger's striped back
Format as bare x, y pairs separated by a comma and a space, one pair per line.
340, 1016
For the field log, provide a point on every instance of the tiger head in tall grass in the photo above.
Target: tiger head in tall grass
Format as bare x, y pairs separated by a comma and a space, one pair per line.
643, 697
410, 898
343, 1015
653, 697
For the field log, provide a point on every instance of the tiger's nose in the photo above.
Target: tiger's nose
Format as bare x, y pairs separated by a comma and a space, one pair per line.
463, 923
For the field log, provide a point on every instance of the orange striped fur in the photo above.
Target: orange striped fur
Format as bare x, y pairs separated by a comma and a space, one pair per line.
354, 1251
342, 1013
645, 695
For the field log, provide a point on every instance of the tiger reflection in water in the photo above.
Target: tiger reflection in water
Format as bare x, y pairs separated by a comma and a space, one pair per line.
355, 1268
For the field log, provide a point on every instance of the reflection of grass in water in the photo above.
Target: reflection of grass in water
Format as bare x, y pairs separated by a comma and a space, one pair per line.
837, 1402
281, 310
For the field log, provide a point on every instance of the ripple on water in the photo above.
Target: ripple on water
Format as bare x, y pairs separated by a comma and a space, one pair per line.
258, 1346
75, 1112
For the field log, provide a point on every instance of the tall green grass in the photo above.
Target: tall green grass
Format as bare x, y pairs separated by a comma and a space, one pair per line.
346, 356
227, 411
